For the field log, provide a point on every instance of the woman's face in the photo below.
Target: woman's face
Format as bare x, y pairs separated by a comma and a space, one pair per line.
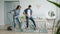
19, 7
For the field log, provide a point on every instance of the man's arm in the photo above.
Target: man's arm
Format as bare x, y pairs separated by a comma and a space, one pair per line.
24, 13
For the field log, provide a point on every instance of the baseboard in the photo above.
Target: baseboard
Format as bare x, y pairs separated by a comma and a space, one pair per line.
2, 27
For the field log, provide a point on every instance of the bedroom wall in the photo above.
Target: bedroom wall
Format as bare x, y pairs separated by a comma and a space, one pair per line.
40, 7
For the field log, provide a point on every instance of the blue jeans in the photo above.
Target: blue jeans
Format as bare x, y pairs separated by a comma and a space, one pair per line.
27, 21
19, 23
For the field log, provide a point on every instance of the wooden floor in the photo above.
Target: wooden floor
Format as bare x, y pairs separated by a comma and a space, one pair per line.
11, 32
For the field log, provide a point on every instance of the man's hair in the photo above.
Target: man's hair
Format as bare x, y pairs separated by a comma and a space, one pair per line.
29, 6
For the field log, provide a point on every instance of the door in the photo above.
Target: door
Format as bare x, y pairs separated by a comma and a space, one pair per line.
8, 6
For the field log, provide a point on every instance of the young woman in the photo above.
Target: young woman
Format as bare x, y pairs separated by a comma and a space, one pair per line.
16, 13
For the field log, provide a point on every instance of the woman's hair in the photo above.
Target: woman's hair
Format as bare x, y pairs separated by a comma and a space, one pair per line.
18, 7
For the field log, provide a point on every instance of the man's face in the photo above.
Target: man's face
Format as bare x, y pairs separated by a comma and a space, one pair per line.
29, 7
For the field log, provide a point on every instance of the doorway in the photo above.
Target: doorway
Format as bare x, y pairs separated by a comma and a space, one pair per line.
8, 6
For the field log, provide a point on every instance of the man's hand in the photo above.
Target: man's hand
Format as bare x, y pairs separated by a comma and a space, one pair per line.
24, 14
30, 16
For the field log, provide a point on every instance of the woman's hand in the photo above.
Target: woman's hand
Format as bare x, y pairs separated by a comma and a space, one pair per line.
15, 16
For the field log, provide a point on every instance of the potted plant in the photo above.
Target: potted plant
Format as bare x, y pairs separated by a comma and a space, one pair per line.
51, 13
55, 3
58, 27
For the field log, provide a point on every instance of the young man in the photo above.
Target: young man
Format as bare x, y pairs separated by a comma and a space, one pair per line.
28, 14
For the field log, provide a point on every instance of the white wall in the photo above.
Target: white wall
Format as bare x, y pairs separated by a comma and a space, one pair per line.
58, 9
40, 7
58, 12
1, 12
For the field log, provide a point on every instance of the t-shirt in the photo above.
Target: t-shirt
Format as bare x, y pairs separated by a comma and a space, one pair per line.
16, 12
28, 13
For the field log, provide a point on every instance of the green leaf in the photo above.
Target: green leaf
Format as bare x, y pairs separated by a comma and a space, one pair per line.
56, 4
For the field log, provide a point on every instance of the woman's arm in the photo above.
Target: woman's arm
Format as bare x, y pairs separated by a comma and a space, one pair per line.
12, 12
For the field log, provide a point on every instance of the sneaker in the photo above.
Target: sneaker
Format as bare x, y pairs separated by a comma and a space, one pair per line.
26, 28
35, 28
21, 30
14, 29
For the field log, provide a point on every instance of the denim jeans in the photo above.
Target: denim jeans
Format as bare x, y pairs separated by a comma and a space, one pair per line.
27, 21
19, 23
